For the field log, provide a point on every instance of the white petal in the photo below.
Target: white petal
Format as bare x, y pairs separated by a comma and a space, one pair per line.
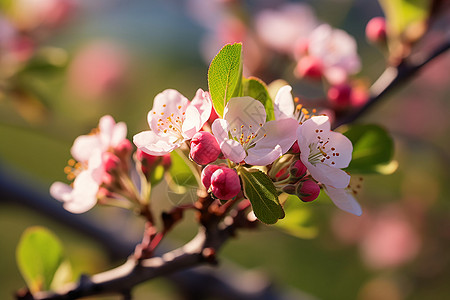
284, 103
119, 134
232, 150
84, 194
220, 130
192, 124
106, 125
342, 149
202, 101
328, 175
83, 147
278, 132
166, 103
61, 191
263, 156
151, 143
344, 200
244, 115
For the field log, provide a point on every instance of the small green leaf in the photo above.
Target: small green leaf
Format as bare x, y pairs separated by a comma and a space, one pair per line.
298, 220
372, 148
39, 255
180, 172
257, 89
261, 192
225, 76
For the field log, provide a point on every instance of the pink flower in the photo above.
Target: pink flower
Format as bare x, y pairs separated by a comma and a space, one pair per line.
244, 135
284, 28
88, 150
173, 120
225, 183
98, 70
337, 51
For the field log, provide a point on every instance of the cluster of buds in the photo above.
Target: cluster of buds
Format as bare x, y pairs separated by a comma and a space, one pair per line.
104, 172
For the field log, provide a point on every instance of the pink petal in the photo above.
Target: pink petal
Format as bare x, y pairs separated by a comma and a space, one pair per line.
263, 156
192, 124
344, 200
60, 191
119, 134
280, 132
343, 150
327, 175
232, 150
220, 130
202, 101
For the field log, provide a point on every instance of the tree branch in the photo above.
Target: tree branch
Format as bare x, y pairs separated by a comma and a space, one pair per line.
392, 78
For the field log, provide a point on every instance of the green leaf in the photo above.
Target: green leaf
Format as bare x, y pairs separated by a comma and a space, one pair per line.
298, 220
261, 192
39, 255
373, 148
225, 76
181, 173
257, 89
406, 17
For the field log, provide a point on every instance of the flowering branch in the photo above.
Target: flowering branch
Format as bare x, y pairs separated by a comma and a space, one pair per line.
200, 250
392, 78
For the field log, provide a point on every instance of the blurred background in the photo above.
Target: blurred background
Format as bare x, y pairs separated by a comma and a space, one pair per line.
66, 63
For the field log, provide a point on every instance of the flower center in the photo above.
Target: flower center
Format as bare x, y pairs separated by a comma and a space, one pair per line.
74, 168
172, 124
301, 113
321, 151
247, 136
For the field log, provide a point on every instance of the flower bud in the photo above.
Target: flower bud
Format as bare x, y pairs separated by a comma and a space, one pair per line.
204, 148
308, 190
298, 169
225, 183
295, 148
340, 95
289, 188
123, 149
110, 162
376, 30
207, 173
166, 161
148, 161
309, 67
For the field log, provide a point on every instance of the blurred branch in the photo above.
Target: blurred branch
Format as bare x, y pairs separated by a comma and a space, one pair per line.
392, 78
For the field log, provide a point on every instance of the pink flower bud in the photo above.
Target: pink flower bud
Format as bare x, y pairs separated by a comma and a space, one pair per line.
376, 30
295, 148
123, 149
225, 183
110, 162
148, 161
298, 169
204, 148
166, 161
340, 95
207, 173
308, 190
289, 188
309, 67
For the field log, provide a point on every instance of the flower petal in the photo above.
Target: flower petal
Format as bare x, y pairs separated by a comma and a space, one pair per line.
165, 104
192, 124
311, 128
202, 101
232, 150
344, 200
284, 103
119, 134
327, 175
83, 147
61, 191
245, 116
278, 132
153, 144
84, 194
341, 156
263, 156
220, 130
